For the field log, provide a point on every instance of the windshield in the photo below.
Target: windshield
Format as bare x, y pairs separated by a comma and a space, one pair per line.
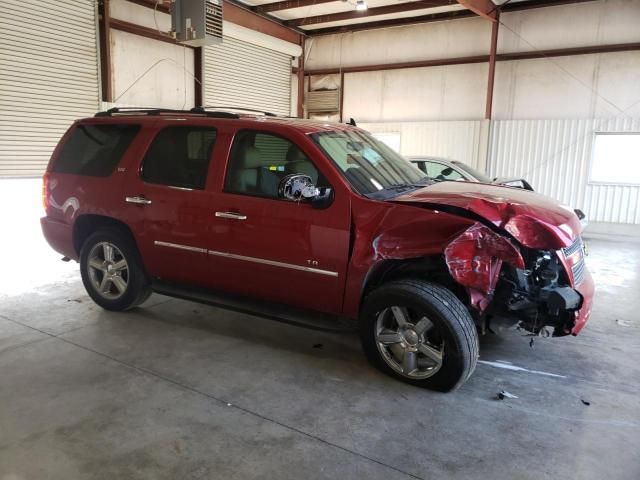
369, 165
481, 177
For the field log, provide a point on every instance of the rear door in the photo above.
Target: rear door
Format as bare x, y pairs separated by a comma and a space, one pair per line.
167, 203
273, 249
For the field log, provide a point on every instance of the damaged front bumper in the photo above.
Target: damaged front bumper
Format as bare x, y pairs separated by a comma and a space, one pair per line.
539, 289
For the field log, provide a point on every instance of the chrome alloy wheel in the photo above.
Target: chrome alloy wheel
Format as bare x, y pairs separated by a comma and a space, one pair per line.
108, 270
409, 345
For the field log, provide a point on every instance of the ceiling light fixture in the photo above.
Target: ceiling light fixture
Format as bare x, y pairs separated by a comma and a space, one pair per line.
361, 5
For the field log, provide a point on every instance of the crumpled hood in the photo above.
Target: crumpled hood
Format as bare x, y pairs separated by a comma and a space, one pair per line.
534, 220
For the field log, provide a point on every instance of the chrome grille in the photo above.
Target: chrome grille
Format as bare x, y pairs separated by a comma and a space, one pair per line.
573, 248
578, 268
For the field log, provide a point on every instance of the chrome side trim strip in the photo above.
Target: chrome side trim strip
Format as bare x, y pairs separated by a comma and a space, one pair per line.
180, 247
273, 263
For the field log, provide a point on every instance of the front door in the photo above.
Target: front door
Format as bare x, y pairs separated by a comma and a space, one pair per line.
168, 205
277, 250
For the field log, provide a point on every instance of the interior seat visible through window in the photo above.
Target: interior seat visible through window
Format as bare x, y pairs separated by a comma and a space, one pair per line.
259, 161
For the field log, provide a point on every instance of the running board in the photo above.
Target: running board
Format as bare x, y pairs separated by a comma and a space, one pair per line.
278, 312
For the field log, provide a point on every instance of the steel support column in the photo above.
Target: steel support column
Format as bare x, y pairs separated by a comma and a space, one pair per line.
492, 67
104, 25
300, 74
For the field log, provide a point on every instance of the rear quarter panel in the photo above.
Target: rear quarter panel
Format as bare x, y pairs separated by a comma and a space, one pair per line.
70, 196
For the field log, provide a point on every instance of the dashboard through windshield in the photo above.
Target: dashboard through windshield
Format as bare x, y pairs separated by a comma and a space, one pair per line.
369, 165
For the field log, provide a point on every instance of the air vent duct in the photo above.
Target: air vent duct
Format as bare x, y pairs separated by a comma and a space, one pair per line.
197, 23
323, 101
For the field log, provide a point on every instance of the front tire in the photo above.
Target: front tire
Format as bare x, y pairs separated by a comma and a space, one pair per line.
420, 333
112, 271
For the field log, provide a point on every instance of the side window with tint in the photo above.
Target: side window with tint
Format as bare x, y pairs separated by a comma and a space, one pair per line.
442, 172
94, 150
258, 162
179, 157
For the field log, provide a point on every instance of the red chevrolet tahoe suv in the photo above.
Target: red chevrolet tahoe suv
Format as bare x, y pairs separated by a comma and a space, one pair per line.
311, 222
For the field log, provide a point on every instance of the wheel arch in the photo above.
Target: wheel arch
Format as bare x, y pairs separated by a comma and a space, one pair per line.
86, 224
430, 267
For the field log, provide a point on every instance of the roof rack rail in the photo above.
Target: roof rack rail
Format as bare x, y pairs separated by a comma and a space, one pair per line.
206, 108
163, 111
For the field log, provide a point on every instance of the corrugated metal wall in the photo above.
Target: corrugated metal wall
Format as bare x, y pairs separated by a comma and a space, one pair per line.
463, 140
241, 74
48, 78
555, 156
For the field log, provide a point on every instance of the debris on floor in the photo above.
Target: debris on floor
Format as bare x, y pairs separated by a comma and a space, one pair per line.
531, 342
504, 394
623, 323
318, 345
585, 402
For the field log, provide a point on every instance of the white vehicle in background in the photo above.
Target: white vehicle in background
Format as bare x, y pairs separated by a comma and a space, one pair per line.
453, 170
443, 169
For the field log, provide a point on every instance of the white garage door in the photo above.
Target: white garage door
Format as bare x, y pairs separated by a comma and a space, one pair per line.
48, 78
241, 74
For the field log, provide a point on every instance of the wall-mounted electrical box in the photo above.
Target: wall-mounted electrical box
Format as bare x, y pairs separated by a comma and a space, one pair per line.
197, 22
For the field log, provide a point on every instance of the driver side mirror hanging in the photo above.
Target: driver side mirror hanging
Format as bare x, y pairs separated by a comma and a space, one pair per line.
300, 188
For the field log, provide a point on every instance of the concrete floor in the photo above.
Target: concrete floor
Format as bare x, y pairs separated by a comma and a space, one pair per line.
178, 390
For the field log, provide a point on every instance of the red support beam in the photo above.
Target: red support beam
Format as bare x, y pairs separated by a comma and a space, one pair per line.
161, 7
341, 96
437, 17
484, 8
197, 77
246, 18
142, 31
400, 65
394, 22
492, 67
105, 50
300, 73
500, 57
371, 12
288, 4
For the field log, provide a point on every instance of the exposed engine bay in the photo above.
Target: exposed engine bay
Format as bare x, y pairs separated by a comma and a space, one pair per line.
539, 295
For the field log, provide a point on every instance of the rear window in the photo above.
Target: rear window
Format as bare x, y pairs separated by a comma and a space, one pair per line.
95, 150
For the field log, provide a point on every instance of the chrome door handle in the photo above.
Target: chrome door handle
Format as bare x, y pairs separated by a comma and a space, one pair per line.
138, 200
231, 215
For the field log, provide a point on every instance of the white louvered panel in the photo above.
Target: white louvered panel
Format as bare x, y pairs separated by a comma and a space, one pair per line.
323, 101
241, 74
48, 78
555, 156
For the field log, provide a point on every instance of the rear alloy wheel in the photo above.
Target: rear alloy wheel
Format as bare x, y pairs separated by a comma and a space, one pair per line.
112, 271
420, 333
108, 270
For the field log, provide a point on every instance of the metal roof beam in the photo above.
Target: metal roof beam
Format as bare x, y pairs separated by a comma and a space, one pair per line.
288, 4
371, 12
483, 8
436, 17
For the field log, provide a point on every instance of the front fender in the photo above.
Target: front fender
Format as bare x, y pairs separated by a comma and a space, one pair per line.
387, 231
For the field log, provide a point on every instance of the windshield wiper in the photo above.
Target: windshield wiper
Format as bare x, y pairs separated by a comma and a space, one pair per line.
402, 186
405, 186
